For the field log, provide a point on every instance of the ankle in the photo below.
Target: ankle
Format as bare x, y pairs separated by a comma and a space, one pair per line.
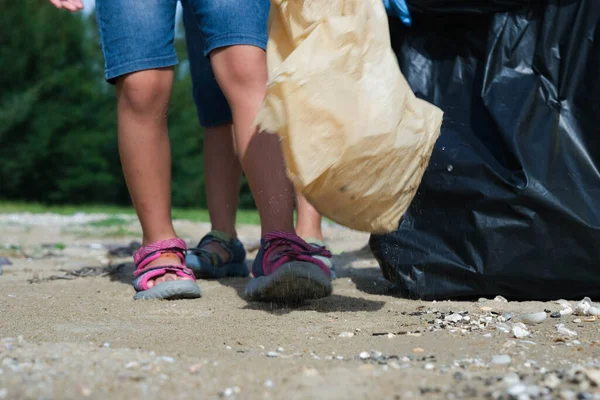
310, 233
149, 239
230, 232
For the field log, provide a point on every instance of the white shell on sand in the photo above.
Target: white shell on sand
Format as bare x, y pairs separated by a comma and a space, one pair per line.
531, 318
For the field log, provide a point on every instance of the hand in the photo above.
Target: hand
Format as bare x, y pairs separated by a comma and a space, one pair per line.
398, 9
71, 5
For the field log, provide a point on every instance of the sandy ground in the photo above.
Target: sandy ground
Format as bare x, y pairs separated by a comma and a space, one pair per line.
85, 337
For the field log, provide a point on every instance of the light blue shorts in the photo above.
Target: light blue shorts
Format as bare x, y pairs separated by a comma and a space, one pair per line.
139, 34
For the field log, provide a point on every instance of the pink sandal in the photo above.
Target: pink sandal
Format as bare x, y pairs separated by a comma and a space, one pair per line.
185, 288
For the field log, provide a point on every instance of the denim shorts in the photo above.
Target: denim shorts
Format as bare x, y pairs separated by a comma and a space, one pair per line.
138, 35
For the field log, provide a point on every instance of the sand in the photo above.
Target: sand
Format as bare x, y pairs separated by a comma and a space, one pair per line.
85, 337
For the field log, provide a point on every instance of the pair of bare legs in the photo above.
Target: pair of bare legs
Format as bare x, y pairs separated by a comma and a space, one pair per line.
143, 99
223, 175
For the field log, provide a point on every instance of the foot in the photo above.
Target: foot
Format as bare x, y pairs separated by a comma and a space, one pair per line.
161, 272
288, 269
164, 259
327, 260
218, 255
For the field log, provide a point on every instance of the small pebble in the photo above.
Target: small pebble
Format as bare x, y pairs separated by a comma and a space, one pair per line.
418, 350
3, 393
568, 395
376, 355
272, 354
269, 383
593, 375
106, 344
519, 330
429, 367
562, 329
531, 318
576, 320
167, 359
453, 317
566, 311
555, 315
501, 359
280, 349
511, 379
517, 390
500, 299
586, 307
394, 364
346, 335
507, 316
364, 355
552, 381
194, 369
132, 364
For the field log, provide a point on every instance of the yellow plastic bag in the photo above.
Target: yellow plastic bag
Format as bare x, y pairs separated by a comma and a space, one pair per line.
356, 140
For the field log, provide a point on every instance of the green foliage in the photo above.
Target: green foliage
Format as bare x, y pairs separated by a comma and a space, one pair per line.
116, 213
110, 221
58, 141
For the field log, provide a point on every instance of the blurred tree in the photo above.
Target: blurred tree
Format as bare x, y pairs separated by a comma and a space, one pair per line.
58, 117
57, 139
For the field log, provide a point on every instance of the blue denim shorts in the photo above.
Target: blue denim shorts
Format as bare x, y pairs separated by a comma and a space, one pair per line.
138, 35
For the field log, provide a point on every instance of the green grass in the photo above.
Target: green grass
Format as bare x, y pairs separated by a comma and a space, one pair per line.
110, 221
197, 215
117, 232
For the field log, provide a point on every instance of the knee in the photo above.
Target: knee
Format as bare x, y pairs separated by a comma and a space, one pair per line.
145, 92
240, 70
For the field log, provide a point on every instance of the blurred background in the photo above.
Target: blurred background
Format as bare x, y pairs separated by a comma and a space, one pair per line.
58, 136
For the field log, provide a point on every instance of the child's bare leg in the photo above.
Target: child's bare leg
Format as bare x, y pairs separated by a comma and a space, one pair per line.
143, 98
223, 173
308, 224
242, 75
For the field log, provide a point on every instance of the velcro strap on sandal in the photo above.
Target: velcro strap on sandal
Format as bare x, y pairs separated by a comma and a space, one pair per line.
153, 251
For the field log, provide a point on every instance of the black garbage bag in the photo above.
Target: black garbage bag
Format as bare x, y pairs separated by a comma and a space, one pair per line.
510, 203
465, 6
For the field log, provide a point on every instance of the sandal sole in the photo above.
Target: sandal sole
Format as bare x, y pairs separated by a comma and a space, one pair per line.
292, 282
172, 290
